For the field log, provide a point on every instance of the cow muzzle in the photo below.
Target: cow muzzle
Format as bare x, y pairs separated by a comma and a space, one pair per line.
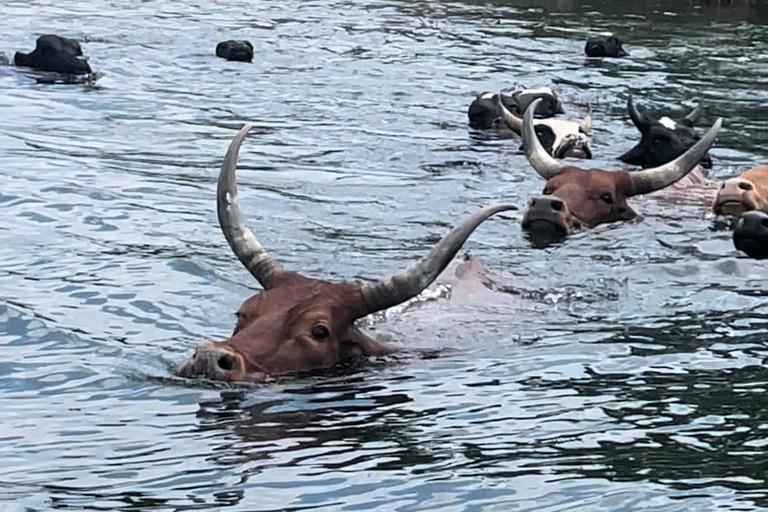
547, 220
735, 197
214, 362
573, 146
751, 234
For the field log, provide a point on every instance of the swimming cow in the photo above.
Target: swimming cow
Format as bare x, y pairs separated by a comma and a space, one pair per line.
574, 197
751, 233
561, 139
748, 191
484, 112
604, 46
55, 53
299, 323
663, 139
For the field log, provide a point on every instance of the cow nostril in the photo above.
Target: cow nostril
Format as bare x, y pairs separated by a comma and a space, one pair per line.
533, 202
745, 186
557, 206
226, 363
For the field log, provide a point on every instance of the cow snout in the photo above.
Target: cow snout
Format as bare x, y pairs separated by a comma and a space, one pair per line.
546, 220
734, 197
751, 234
214, 362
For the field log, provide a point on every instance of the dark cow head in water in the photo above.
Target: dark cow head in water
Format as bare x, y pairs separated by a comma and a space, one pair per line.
575, 197
561, 139
484, 112
751, 233
299, 323
748, 191
55, 53
663, 139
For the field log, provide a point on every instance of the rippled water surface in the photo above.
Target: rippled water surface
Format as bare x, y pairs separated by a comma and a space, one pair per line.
628, 373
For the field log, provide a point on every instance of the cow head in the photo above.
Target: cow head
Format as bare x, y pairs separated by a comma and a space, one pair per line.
561, 139
751, 233
299, 323
575, 197
743, 193
484, 112
663, 139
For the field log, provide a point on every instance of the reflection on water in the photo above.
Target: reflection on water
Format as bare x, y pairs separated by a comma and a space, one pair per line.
622, 369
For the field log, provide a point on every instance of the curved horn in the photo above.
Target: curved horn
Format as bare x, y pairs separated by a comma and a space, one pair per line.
657, 178
242, 241
637, 118
513, 122
539, 158
408, 284
695, 113
586, 124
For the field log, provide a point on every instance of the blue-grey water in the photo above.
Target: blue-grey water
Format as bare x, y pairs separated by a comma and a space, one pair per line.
628, 373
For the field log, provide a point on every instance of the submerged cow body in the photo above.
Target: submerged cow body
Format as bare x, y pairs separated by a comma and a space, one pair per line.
561, 139
748, 191
663, 139
750, 234
484, 112
300, 323
604, 46
574, 197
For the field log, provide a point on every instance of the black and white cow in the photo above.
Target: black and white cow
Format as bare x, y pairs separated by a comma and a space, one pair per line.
750, 234
561, 139
663, 139
484, 112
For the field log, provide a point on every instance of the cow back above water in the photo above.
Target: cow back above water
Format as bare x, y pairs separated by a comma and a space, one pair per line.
299, 323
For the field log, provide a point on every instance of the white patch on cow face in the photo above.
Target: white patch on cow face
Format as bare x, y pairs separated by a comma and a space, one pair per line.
561, 129
667, 123
486, 95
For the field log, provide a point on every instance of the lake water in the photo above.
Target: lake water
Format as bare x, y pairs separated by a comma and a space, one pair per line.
628, 373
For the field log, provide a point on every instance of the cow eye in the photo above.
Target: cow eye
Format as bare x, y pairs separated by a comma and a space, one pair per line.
320, 333
607, 199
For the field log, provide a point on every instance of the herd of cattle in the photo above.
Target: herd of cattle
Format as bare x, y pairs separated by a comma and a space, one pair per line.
573, 197
299, 323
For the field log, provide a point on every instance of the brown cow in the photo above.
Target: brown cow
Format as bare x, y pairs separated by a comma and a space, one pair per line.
749, 191
299, 323
575, 197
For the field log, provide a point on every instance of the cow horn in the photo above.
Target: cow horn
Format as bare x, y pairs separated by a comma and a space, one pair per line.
401, 287
657, 178
513, 122
539, 158
695, 113
242, 241
637, 118
586, 124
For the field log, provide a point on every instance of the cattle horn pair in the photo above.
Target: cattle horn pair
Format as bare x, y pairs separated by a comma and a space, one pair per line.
643, 182
640, 120
378, 295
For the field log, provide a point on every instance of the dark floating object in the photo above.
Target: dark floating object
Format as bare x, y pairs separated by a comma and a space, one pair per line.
55, 53
235, 50
751, 234
604, 46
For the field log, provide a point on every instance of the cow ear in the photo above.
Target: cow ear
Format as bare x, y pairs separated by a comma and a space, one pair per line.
359, 344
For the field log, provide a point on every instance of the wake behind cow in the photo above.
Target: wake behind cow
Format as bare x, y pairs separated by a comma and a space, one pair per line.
574, 197
300, 323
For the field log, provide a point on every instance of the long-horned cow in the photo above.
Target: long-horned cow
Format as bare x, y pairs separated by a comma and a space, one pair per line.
574, 197
299, 323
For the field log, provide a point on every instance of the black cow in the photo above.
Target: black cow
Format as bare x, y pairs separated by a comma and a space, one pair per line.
484, 112
54, 53
751, 233
604, 46
663, 139
235, 50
